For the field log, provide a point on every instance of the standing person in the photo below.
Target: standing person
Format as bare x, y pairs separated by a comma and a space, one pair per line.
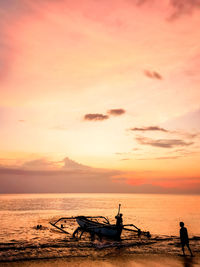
119, 220
119, 224
184, 238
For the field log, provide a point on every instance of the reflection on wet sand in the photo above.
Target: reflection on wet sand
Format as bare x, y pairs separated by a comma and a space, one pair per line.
188, 261
141, 260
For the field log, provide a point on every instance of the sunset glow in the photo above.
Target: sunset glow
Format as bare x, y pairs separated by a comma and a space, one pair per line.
101, 90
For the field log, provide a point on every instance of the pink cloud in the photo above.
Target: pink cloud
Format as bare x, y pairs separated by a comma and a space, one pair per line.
116, 112
95, 117
179, 184
44, 176
153, 74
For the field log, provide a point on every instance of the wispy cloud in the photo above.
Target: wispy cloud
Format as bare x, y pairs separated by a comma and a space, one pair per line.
116, 112
161, 158
179, 7
101, 117
95, 117
153, 75
189, 135
163, 143
149, 128
182, 7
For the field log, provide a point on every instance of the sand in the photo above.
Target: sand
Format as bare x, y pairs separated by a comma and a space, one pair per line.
118, 260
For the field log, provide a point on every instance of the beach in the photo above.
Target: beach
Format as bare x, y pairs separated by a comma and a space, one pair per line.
22, 244
127, 260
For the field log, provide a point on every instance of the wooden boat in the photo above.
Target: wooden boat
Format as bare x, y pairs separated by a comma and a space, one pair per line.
101, 229
98, 225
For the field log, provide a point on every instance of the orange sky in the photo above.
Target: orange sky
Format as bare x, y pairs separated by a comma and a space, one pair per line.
111, 84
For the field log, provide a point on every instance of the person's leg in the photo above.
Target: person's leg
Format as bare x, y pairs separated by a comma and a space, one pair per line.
183, 248
189, 249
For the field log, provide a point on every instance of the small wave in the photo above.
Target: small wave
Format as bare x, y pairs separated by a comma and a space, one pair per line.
15, 251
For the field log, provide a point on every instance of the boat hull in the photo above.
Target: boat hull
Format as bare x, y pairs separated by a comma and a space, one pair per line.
98, 228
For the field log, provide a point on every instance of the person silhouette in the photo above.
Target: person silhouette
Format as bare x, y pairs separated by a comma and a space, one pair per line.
184, 238
119, 224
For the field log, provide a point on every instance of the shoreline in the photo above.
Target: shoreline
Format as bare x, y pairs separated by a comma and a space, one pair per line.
84, 250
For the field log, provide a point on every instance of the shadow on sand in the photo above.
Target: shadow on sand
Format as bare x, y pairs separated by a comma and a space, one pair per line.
188, 261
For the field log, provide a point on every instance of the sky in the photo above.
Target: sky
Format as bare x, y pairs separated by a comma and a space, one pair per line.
100, 96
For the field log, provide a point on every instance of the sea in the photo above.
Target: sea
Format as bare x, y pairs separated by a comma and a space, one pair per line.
160, 214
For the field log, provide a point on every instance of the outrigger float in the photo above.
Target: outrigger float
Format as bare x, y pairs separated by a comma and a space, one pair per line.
98, 225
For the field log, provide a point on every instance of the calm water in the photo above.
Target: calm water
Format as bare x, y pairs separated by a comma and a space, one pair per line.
159, 214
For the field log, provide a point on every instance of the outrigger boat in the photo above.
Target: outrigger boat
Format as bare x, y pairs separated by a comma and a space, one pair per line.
98, 225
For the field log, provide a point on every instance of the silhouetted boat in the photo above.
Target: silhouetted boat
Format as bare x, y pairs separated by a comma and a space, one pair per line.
102, 229
98, 225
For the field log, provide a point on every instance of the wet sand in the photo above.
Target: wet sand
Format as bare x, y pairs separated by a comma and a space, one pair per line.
117, 260
156, 251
